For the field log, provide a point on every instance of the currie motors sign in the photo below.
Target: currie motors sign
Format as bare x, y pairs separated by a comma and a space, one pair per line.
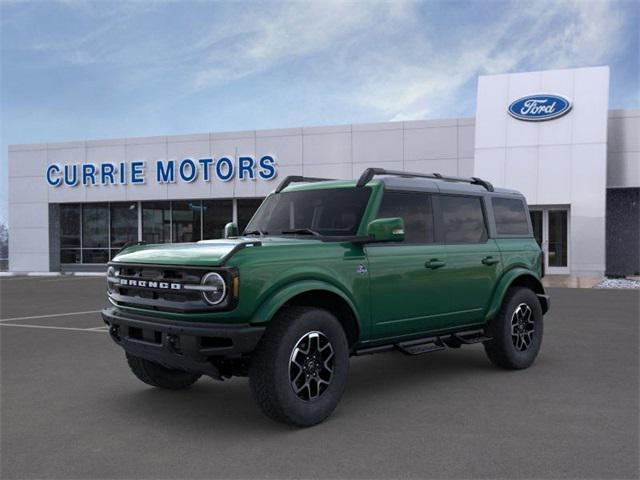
540, 107
187, 170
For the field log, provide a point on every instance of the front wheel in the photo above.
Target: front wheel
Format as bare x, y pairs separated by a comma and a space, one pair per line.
299, 371
516, 330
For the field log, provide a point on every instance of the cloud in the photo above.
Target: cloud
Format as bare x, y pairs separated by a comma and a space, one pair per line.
533, 35
401, 60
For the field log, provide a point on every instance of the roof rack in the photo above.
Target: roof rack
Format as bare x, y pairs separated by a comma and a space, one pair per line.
369, 173
298, 179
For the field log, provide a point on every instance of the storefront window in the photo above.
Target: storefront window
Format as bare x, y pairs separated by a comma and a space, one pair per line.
246, 208
124, 224
95, 233
95, 225
69, 226
186, 221
217, 213
70, 233
156, 222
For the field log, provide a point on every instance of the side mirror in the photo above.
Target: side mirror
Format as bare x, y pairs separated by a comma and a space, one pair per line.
386, 230
230, 230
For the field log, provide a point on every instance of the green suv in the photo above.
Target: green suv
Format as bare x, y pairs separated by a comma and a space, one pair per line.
328, 269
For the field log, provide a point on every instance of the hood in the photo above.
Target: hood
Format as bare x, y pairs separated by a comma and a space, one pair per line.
204, 253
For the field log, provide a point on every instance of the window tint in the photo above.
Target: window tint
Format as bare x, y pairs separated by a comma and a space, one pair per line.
463, 219
511, 218
415, 210
328, 211
246, 209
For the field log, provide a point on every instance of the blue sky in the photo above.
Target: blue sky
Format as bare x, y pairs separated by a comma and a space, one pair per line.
75, 70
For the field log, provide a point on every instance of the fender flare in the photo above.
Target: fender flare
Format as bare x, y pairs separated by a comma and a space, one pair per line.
269, 307
508, 279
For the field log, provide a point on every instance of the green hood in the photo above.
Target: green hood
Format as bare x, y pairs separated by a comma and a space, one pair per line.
204, 253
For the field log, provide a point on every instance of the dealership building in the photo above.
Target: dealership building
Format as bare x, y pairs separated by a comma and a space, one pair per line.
549, 134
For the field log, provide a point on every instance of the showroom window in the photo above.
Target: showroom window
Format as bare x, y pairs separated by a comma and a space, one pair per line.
185, 221
215, 215
156, 222
95, 232
124, 225
70, 234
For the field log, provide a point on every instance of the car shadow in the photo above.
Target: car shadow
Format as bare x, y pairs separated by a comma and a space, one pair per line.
229, 405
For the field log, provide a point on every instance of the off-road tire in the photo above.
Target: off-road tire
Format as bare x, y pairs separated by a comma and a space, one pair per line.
269, 372
501, 349
159, 376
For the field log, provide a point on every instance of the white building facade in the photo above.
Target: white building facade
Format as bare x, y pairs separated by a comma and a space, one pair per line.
73, 205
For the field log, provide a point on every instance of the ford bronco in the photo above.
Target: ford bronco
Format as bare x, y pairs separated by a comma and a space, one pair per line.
326, 270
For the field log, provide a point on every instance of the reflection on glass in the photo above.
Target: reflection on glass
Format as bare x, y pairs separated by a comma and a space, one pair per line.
156, 222
557, 238
95, 255
124, 224
186, 221
70, 255
415, 209
536, 222
69, 226
95, 225
217, 213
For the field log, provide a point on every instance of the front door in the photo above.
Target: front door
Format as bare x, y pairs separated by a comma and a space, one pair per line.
409, 290
551, 231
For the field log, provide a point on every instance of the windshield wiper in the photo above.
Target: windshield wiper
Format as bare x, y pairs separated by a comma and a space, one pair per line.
262, 233
302, 231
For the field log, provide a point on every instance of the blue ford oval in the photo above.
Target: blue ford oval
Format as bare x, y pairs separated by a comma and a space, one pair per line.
536, 108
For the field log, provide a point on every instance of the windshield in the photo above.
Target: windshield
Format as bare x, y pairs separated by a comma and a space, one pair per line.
326, 212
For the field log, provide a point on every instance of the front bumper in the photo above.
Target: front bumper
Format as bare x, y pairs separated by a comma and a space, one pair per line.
185, 346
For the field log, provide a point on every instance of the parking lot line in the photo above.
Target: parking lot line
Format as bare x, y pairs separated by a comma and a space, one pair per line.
50, 327
34, 317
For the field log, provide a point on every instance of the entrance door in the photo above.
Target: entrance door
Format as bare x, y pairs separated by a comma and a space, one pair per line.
551, 231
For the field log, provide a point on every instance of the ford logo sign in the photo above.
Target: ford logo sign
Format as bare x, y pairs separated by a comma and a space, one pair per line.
536, 108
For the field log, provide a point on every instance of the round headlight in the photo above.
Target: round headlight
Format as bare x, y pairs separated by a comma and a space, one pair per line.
215, 290
111, 275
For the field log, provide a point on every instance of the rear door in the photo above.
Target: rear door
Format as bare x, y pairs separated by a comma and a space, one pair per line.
408, 279
473, 259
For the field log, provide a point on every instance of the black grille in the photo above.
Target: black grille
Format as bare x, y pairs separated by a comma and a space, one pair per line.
157, 298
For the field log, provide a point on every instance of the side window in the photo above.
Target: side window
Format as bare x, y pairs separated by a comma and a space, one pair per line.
510, 215
463, 219
415, 209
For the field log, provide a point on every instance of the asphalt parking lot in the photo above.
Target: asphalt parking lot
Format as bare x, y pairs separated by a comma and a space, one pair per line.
71, 409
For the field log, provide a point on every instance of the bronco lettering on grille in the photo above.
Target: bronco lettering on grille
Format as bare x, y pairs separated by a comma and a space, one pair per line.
149, 284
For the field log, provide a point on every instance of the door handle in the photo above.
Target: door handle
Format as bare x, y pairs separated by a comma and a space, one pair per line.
490, 260
434, 263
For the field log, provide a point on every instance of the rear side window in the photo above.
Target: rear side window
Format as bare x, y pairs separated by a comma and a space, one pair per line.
415, 209
463, 219
510, 215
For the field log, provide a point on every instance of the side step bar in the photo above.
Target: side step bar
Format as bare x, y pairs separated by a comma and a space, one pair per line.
430, 344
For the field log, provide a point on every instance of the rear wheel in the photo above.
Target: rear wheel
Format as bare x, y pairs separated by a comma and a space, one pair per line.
516, 330
160, 376
299, 371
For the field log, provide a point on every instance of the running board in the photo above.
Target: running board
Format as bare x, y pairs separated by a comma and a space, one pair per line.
433, 343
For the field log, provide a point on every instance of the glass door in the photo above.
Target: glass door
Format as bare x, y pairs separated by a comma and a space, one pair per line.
551, 231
